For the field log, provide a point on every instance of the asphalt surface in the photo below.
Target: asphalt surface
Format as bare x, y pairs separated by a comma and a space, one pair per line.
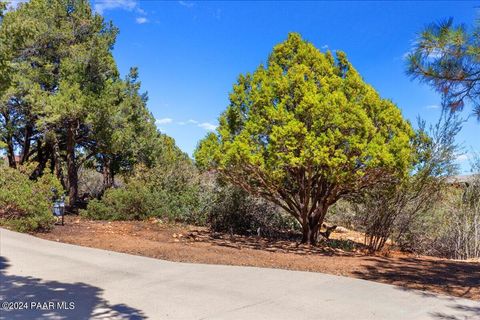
50, 280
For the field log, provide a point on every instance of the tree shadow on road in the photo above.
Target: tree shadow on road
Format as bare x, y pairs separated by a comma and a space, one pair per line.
467, 313
456, 278
87, 299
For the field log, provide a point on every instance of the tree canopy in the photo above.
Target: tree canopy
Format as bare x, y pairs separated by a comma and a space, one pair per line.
62, 101
447, 56
305, 130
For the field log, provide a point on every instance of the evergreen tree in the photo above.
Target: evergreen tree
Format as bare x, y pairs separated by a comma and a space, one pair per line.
304, 131
62, 101
447, 57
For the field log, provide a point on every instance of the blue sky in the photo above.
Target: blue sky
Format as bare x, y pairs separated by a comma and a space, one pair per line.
190, 53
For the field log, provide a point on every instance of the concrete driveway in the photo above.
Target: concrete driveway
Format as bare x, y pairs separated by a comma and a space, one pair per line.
51, 280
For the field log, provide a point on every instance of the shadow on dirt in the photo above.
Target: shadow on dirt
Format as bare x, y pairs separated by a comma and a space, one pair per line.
456, 278
290, 244
34, 293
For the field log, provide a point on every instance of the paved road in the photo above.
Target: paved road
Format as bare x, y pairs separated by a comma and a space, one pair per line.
108, 285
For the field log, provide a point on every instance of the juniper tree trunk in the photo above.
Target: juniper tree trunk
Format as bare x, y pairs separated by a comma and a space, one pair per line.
12, 163
26, 144
311, 225
56, 164
9, 141
71, 168
107, 173
42, 157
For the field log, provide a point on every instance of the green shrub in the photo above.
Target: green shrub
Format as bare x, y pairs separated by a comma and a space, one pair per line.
172, 191
25, 205
235, 211
133, 202
176, 191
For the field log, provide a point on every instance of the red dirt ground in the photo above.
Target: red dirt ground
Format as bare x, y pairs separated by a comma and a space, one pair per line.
194, 244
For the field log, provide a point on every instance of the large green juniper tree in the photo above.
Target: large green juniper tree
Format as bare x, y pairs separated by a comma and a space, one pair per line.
304, 131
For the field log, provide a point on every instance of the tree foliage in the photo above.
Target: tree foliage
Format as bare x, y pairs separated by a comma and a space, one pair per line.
25, 204
390, 209
170, 190
304, 131
233, 210
447, 57
62, 101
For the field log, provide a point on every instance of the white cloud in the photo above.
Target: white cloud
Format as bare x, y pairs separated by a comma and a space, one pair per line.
187, 4
208, 126
190, 121
163, 121
462, 157
433, 106
103, 5
141, 20
204, 125
432, 55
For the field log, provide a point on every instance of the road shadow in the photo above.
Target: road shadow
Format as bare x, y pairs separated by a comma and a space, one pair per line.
461, 279
467, 313
87, 299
